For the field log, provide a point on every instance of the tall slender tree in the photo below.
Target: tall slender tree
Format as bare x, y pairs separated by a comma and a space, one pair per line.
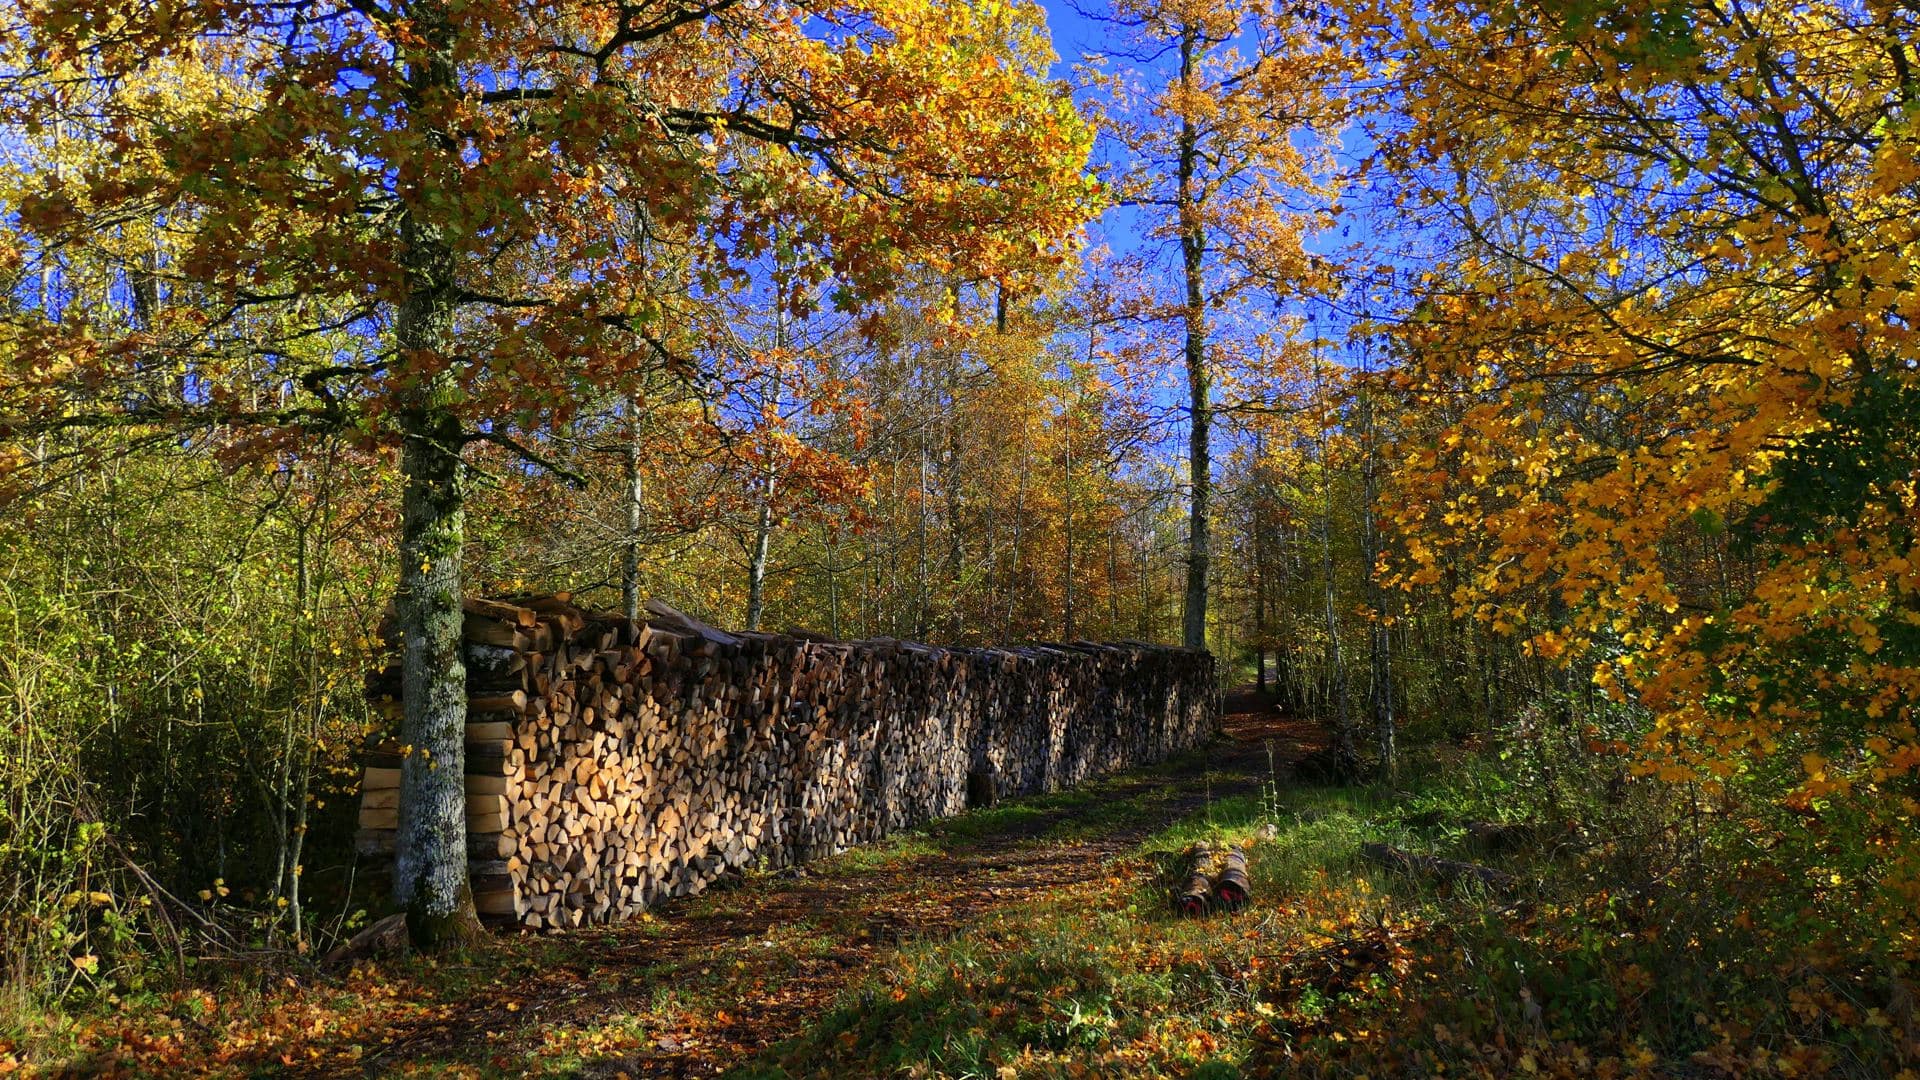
1213, 115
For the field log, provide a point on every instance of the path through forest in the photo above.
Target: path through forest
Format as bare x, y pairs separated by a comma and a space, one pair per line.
709, 981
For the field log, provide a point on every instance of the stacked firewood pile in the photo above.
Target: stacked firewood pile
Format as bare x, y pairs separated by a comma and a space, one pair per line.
611, 764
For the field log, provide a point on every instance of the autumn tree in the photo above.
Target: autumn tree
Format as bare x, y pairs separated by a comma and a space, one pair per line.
785, 401
1213, 115
1669, 342
449, 196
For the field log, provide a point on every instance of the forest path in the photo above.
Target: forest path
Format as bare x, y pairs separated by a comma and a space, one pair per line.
707, 982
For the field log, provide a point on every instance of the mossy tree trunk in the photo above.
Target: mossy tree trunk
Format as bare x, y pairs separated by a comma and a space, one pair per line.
430, 853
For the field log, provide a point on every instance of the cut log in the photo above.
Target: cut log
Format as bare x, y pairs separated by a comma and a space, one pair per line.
377, 843
496, 902
1193, 898
487, 760
513, 614
487, 785
480, 630
1232, 887
388, 817
512, 701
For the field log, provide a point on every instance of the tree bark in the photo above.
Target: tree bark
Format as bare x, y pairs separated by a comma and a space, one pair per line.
1013, 589
1256, 518
636, 494
430, 857
430, 852
757, 559
833, 583
922, 602
1066, 490
1259, 618
1380, 692
1199, 382
1345, 747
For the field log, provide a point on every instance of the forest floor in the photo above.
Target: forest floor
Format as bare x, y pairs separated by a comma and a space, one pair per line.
1035, 939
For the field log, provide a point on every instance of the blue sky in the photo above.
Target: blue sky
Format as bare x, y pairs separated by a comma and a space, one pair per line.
1072, 35
1075, 35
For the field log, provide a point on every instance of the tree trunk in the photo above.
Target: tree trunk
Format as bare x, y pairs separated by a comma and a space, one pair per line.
1113, 580
757, 559
1066, 489
430, 856
1259, 617
833, 584
922, 601
1380, 694
1199, 388
1147, 575
1013, 589
1258, 574
636, 504
430, 852
1345, 748
955, 492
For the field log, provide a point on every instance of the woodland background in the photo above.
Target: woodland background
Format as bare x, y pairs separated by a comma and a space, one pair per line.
1557, 361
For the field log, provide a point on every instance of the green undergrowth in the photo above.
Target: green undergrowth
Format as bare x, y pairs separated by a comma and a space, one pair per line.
1618, 946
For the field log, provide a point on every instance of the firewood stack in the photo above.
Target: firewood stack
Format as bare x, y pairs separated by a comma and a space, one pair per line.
612, 764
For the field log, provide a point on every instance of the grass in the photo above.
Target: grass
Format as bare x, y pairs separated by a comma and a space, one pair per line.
1343, 968
1101, 978
891, 854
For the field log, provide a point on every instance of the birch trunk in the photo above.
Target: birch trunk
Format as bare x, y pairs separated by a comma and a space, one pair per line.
636, 502
757, 559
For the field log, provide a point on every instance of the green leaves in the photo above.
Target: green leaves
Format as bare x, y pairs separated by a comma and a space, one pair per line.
1659, 35
1868, 447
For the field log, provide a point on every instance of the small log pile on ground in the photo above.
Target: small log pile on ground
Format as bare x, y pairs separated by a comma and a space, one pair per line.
1232, 888
1207, 879
611, 764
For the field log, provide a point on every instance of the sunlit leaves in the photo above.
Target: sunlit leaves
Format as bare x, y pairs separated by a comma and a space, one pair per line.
592, 142
1664, 375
